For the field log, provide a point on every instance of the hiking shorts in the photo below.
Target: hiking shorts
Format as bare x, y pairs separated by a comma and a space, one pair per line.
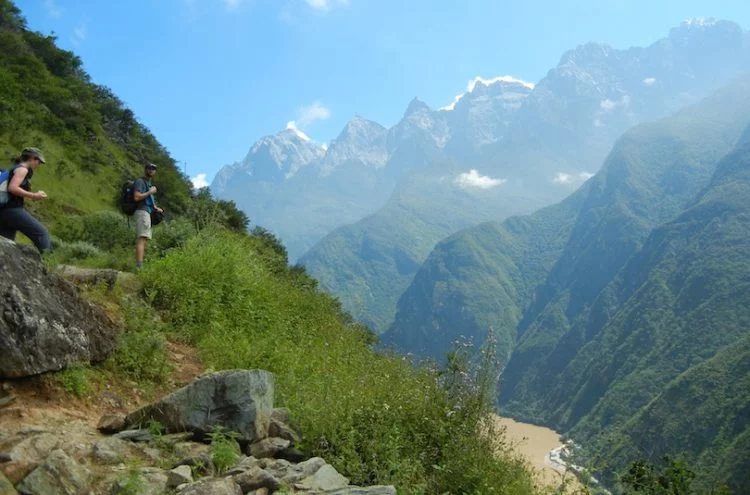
142, 224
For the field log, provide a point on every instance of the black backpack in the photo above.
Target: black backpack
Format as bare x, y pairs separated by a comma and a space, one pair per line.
128, 204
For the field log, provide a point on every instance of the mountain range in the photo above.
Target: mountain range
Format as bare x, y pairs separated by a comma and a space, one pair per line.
613, 300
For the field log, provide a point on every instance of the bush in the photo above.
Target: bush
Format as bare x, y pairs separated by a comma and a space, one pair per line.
376, 418
107, 230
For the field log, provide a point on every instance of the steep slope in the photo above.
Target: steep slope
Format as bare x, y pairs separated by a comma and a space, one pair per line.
653, 174
556, 135
497, 275
685, 299
88, 135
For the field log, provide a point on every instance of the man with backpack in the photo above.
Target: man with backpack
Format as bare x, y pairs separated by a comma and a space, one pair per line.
144, 193
15, 187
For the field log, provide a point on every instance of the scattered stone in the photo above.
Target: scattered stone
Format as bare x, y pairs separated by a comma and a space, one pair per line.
35, 448
6, 487
111, 423
260, 491
135, 435
325, 479
175, 438
179, 476
7, 400
215, 486
256, 478
90, 276
149, 481
59, 474
5, 457
16, 471
268, 447
46, 326
298, 472
110, 450
195, 455
282, 430
238, 400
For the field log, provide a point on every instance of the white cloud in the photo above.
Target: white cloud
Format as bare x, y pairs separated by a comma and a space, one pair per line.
562, 178
232, 4
199, 181
53, 10
649, 81
312, 113
566, 179
608, 105
292, 126
325, 5
79, 34
472, 178
324, 146
487, 82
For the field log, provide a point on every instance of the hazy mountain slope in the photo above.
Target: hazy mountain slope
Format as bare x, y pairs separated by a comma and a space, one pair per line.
560, 133
653, 173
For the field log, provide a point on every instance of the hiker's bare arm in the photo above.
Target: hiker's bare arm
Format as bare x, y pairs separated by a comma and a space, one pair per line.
15, 185
139, 196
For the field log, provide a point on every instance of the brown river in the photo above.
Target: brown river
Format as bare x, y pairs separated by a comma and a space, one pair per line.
535, 443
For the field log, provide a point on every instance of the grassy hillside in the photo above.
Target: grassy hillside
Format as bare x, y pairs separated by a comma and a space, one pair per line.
232, 295
92, 142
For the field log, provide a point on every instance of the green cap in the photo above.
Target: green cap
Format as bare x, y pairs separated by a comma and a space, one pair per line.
36, 152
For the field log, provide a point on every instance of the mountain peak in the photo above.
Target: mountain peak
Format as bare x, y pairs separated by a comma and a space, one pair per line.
500, 83
416, 105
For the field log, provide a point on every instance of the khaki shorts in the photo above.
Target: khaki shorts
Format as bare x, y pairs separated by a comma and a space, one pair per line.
142, 224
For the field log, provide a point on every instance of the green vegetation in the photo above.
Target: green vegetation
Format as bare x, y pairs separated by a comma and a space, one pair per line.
233, 296
92, 143
629, 307
376, 418
225, 451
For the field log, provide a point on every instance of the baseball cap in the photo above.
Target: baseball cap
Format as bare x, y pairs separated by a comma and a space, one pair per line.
151, 165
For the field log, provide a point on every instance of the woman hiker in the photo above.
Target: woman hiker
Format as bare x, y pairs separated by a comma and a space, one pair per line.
13, 216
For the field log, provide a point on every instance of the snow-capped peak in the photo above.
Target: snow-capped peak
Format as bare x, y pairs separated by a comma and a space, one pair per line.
472, 84
700, 22
292, 126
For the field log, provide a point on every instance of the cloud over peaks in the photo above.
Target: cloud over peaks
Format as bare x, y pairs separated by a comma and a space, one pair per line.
199, 181
472, 179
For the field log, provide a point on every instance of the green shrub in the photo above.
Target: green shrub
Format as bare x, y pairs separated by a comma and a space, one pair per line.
225, 451
376, 418
76, 379
108, 230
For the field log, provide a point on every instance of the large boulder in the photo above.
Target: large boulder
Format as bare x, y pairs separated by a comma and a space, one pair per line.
238, 400
44, 324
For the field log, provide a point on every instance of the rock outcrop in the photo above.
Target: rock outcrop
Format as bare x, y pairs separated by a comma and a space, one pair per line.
240, 401
44, 324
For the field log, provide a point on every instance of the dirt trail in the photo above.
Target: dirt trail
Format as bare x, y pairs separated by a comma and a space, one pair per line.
41, 399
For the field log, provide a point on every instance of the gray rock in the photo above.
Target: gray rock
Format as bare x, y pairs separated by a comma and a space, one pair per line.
215, 486
135, 435
110, 450
90, 276
44, 324
325, 479
238, 400
6, 487
256, 478
111, 423
370, 490
298, 472
146, 481
59, 474
292, 455
35, 448
178, 476
282, 430
268, 447
195, 455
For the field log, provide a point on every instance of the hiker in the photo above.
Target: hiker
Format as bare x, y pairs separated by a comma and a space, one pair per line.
144, 195
13, 216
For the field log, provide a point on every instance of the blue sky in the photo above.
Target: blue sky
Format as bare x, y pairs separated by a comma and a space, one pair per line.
210, 77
